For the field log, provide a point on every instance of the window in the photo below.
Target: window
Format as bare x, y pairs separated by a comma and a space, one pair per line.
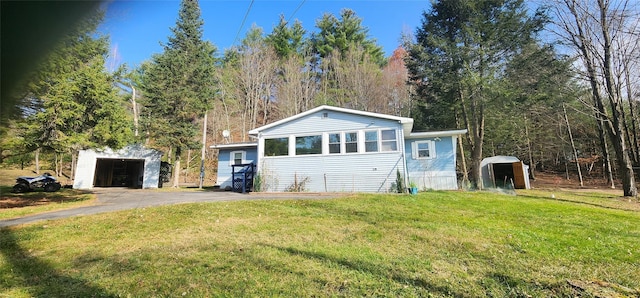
276, 147
424, 150
237, 157
309, 145
351, 142
389, 141
334, 143
371, 141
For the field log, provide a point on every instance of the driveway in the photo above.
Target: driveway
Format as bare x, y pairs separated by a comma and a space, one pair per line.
116, 199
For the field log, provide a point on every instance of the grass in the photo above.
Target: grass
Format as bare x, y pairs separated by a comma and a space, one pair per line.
438, 244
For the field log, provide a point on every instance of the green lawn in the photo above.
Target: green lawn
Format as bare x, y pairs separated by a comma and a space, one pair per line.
458, 244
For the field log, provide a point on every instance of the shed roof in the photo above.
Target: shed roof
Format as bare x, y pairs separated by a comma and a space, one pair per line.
499, 159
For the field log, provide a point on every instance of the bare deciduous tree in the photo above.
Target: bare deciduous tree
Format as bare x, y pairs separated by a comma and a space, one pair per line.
296, 86
598, 31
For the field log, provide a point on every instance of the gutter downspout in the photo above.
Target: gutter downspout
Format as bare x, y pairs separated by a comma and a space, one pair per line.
405, 172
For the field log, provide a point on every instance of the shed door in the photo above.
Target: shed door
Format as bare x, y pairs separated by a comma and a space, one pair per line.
518, 176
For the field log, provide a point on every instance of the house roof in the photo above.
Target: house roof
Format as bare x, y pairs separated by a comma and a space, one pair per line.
433, 134
234, 145
406, 122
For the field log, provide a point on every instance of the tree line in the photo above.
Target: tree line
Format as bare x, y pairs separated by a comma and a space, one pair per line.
555, 86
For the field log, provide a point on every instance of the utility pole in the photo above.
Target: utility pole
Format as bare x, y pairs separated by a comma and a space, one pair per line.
204, 149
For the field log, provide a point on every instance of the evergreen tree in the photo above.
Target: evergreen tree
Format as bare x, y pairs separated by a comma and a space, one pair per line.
179, 85
343, 34
459, 59
71, 102
287, 40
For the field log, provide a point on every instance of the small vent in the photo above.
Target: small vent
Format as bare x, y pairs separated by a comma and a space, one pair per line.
325, 115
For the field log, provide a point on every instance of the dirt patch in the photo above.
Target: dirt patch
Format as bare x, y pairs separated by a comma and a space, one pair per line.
555, 181
32, 199
602, 289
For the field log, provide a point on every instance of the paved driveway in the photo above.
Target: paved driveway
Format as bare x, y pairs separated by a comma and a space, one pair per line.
115, 199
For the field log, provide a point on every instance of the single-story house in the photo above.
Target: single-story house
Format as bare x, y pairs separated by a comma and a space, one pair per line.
133, 166
504, 172
331, 149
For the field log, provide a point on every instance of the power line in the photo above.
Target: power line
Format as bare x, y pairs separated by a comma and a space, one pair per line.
294, 12
242, 25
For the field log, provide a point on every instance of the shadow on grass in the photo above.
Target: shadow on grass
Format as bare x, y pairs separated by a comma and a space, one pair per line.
381, 271
39, 279
9, 199
579, 202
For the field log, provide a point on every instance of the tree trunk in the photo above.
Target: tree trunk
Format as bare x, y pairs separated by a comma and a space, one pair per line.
176, 169
134, 107
186, 171
74, 155
532, 166
632, 134
463, 159
204, 150
573, 145
615, 127
606, 157
37, 161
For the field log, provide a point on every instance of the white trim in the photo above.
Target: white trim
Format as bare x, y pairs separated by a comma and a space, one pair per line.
263, 141
234, 145
377, 140
322, 143
232, 157
395, 132
407, 122
433, 134
432, 149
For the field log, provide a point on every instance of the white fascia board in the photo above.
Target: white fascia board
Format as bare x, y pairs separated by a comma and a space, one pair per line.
433, 134
406, 122
233, 146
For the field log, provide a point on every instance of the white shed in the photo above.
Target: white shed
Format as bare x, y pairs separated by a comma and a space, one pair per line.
503, 171
133, 166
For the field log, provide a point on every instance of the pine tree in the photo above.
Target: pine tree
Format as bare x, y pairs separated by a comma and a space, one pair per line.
71, 101
459, 59
179, 85
344, 34
287, 40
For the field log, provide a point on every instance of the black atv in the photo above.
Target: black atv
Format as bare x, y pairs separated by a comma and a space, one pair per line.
47, 182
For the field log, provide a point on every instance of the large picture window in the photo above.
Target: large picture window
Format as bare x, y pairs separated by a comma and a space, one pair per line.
309, 145
389, 141
351, 142
276, 147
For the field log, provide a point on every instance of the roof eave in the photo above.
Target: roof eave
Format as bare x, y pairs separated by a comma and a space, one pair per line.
233, 145
433, 134
407, 122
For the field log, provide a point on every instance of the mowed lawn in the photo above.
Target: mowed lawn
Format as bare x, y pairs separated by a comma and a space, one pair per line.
440, 244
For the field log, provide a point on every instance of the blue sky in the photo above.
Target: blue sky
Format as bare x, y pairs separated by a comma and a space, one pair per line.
138, 28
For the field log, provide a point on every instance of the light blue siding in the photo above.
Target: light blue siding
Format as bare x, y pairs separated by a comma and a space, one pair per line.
224, 164
354, 172
335, 121
369, 172
436, 173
